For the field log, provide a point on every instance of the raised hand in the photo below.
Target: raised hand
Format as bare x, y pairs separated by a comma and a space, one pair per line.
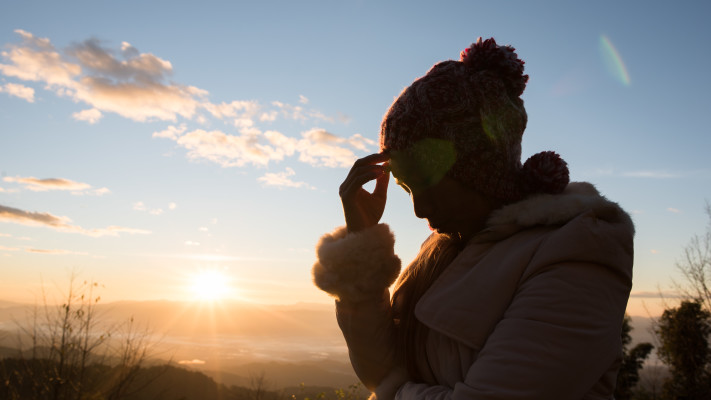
361, 208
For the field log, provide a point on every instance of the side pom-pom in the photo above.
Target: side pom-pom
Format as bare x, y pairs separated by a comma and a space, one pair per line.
358, 265
486, 55
546, 172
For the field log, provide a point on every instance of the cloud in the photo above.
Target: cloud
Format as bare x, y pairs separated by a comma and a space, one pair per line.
191, 243
321, 148
41, 185
172, 206
299, 113
138, 86
21, 91
62, 224
4, 248
650, 174
171, 132
316, 147
91, 115
140, 206
37, 60
231, 150
673, 210
47, 184
282, 179
131, 84
56, 252
655, 295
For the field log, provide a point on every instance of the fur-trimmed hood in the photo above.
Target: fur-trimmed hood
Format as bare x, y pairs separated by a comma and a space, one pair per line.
553, 210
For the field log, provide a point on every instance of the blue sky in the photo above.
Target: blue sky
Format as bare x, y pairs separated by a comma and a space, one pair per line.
187, 137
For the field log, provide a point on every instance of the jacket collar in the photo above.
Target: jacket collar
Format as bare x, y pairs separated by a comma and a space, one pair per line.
551, 210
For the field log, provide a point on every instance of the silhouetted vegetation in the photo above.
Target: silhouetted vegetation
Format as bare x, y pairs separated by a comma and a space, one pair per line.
695, 267
164, 382
684, 347
632, 362
65, 351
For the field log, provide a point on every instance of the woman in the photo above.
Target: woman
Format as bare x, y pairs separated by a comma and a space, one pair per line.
520, 291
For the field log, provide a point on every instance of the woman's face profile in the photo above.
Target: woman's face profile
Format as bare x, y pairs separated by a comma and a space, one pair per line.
449, 206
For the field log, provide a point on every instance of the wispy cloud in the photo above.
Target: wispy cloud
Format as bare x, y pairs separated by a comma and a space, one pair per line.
655, 295
316, 147
91, 115
21, 91
642, 174
282, 179
321, 148
46, 184
651, 174
137, 86
673, 210
140, 206
129, 83
60, 223
59, 252
230, 150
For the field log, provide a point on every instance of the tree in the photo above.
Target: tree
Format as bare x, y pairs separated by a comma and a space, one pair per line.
67, 352
683, 346
695, 267
632, 362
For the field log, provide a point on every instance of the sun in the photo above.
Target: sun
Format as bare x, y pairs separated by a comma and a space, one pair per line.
210, 285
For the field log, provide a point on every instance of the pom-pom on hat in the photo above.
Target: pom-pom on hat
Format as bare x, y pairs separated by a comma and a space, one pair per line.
473, 108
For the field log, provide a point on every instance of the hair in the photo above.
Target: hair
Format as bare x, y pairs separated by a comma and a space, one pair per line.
436, 253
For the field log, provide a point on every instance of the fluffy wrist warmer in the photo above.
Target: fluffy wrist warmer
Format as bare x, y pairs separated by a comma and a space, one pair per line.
356, 266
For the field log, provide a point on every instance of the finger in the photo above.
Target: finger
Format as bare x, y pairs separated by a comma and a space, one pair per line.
367, 161
381, 184
360, 177
372, 159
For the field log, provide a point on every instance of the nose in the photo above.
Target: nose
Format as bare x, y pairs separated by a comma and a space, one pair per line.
424, 205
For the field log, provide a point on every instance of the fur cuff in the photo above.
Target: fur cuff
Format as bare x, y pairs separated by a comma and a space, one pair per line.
356, 266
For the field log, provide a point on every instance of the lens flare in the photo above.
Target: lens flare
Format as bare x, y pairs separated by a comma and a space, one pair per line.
613, 62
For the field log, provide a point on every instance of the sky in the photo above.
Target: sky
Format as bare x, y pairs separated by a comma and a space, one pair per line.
181, 150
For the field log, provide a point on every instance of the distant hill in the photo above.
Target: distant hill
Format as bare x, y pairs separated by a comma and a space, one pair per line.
325, 373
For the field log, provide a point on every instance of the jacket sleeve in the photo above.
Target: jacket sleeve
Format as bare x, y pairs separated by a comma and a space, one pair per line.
357, 269
557, 338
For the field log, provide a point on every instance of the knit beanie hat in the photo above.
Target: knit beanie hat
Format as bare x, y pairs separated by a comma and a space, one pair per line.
465, 119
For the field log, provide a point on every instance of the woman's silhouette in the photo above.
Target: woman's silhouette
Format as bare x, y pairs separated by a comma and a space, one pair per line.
520, 291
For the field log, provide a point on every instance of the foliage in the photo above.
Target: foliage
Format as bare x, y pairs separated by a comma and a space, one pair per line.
632, 361
695, 267
66, 353
683, 334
